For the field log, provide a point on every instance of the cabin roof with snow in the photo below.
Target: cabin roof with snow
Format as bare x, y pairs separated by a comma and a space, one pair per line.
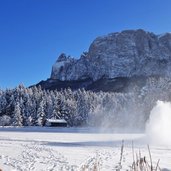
57, 120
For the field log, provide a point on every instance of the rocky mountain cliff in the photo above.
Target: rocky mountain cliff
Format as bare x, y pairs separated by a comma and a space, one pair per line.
126, 54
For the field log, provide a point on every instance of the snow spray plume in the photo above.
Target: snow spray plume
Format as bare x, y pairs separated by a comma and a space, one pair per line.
158, 128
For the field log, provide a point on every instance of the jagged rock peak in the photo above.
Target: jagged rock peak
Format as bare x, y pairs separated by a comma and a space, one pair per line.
63, 57
60, 66
121, 54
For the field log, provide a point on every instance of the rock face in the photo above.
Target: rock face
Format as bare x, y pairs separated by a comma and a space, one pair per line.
126, 54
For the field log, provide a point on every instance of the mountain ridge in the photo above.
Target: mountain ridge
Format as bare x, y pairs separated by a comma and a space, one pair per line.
127, 54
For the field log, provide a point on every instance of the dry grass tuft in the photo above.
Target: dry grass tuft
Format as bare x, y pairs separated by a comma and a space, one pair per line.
141, 164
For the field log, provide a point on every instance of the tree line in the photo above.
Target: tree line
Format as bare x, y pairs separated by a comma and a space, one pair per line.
23, 106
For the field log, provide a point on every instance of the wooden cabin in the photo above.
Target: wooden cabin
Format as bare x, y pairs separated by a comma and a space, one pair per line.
56, 122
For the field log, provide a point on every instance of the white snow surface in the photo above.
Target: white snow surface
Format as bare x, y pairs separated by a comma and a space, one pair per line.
60, 149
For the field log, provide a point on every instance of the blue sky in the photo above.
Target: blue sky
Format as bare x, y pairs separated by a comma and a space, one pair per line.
34, 32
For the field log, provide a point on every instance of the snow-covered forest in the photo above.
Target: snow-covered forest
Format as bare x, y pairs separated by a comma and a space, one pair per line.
32, 106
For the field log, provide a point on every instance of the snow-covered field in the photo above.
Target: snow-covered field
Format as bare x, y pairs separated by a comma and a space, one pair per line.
48, 149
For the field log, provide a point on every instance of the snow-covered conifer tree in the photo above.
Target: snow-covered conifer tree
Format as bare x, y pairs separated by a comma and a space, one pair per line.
17, 116
41, 119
